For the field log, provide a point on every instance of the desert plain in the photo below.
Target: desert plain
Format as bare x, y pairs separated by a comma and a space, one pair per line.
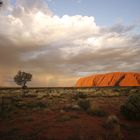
63, 113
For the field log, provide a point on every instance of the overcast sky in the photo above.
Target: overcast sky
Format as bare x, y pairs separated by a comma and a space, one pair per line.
59, 41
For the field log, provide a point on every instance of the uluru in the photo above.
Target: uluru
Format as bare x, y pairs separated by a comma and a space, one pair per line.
110, 79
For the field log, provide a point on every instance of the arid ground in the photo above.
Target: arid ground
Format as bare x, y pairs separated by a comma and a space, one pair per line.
41, 115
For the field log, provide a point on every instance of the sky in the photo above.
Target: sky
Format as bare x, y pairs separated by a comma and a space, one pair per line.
106, 12
59, 41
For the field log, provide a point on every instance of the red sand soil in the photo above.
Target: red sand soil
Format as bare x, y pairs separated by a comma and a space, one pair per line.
110, 79
46, 124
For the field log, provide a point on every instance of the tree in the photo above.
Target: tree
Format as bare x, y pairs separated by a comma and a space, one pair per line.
22, 78
1, 3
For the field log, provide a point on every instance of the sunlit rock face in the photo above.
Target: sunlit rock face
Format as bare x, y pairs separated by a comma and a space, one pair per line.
110, 79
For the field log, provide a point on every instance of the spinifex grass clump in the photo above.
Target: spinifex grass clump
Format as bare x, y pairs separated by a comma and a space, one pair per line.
131, 108
112, 126
84, 104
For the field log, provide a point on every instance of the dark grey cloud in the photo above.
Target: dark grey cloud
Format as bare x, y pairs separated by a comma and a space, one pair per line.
119, 28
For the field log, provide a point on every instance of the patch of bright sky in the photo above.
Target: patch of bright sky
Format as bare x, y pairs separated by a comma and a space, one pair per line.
13, 2
106, 12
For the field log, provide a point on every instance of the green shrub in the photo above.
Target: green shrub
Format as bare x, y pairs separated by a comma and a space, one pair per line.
131, 108
84, 104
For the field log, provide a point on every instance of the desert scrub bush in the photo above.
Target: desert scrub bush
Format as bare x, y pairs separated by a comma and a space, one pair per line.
131, 108
84, 104
80, 95
112, 124
96, 110
7, 106
116, 89
125, 90
31, 105
40, 97
5, 112
41, 105
111, 121
30, 96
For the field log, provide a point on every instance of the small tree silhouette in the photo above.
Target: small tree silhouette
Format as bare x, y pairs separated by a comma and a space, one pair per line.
22, 78
1, 3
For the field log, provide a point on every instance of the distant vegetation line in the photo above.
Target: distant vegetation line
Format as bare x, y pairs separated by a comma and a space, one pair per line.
72, 87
